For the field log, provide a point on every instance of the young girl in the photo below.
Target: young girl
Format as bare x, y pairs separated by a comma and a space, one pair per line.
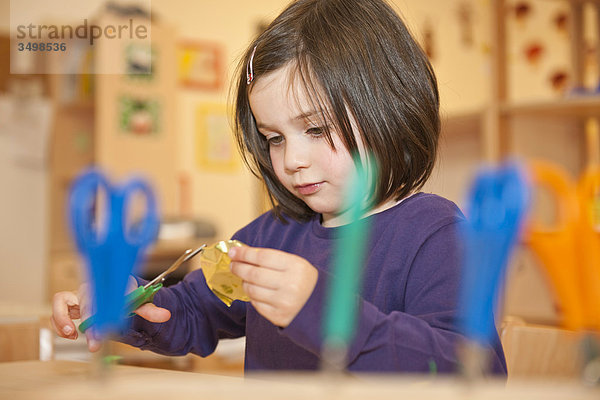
326, 79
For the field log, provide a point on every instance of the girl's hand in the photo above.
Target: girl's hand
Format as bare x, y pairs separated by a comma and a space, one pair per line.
67, 306
278, 283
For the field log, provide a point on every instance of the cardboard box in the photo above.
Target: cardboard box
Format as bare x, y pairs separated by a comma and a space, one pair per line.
538, 351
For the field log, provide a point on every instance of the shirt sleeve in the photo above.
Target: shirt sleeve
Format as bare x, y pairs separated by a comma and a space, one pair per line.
419, 338
198, 320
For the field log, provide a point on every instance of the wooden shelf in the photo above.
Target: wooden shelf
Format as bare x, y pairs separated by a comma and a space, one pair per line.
582, 1
78, 106
574, 107
463, 123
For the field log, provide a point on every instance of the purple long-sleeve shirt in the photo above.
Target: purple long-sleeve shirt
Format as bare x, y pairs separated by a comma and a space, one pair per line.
407, 305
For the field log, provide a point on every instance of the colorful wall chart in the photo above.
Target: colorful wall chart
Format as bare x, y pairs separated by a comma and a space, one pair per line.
215, 147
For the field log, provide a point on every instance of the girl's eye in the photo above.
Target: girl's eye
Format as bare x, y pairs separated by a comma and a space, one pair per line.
316, 132
275, 140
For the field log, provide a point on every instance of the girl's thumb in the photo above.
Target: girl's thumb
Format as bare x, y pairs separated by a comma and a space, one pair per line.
152, 313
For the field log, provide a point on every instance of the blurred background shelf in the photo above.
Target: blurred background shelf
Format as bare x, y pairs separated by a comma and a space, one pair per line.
576, 106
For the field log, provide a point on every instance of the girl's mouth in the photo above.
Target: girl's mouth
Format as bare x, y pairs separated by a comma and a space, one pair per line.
308, 189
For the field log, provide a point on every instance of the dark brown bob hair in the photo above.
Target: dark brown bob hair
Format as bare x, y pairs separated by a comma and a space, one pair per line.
352, 56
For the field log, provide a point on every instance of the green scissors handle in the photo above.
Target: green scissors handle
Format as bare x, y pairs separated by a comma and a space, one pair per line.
141, 296
133, 301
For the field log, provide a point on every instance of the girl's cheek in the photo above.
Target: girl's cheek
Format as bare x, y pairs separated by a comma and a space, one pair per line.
277, 163
275, 159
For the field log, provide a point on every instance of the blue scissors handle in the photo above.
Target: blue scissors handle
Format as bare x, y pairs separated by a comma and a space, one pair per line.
90, 234
144, 232
112, 245
83, 209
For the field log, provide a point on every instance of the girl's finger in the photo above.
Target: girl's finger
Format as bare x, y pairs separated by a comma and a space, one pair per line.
271, 313
260, 294
267, 258
74, 312
61, 302
257, 275
93, 344
265, 309
84, 301
62, 332
152, 313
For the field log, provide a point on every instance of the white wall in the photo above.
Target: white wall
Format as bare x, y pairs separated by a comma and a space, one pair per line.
23, 221
4, 16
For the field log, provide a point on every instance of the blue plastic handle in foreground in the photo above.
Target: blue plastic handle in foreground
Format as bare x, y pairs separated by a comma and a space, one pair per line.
496, 207
112, 247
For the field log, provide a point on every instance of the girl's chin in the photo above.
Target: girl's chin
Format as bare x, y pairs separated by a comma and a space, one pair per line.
321, 209
332, 220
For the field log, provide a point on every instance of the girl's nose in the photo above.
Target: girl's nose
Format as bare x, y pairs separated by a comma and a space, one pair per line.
297, 156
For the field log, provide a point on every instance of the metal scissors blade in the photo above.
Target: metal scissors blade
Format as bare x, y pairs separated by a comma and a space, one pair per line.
188, 254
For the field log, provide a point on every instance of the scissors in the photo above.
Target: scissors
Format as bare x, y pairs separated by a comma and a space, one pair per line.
496, 207
145, 294
110, 245
569, 249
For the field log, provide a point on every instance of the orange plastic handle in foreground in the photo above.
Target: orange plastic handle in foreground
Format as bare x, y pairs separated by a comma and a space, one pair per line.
588, 241
555, 246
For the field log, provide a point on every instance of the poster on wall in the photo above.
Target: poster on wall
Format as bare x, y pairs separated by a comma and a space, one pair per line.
138, 116
140, 61
215, 148
200, 65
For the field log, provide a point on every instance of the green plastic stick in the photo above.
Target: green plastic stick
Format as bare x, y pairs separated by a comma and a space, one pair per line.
348, 259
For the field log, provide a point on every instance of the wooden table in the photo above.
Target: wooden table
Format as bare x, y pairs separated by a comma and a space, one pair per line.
66, 380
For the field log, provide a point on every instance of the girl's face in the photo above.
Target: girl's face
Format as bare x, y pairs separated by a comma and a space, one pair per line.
302, 159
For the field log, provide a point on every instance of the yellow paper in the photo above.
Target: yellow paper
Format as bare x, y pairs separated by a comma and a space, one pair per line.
214, 262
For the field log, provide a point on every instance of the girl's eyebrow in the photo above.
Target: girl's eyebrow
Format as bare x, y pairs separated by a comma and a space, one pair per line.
303, 116
260, 126
307, 114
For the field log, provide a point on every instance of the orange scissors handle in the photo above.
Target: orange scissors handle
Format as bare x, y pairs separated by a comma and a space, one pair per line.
555, 246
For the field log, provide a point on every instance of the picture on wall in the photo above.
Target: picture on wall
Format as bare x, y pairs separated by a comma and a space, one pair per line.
138, 116
215, 148
140, 61
200, 65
